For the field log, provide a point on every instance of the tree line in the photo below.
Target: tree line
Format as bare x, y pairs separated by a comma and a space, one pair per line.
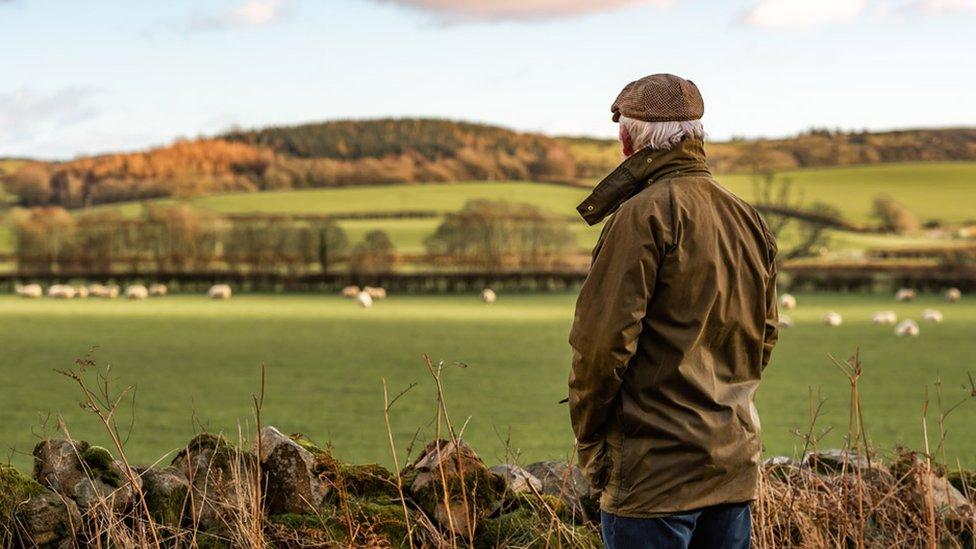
390, 151
484, 235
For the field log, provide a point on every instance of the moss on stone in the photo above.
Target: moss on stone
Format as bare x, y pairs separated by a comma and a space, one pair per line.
543, 505
307, 444
525, 527
480, 486
223, 452
15, 488
101, 465
167, 504
370, 518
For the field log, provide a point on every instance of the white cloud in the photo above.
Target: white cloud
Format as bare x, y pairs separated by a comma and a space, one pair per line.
524, 9
796, 14
252, 13
944, 6
25, 113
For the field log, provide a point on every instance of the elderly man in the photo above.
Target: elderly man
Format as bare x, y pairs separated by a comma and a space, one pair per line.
674, 326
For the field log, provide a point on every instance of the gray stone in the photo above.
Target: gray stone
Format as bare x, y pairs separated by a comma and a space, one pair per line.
49, 520
292, 485
471, 488
517, 479
167, 495
87, 474
564, 481
217, 471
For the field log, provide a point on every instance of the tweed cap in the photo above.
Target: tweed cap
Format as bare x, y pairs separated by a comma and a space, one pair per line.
659, 98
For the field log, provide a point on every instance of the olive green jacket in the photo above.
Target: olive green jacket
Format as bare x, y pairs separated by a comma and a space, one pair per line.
673, 327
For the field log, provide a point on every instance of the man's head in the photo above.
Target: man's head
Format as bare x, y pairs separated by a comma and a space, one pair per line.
658, 111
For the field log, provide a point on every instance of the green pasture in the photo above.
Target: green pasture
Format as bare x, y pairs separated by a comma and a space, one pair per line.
194, 363
932, 190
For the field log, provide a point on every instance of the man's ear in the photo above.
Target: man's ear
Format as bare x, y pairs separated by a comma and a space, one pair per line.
625, 140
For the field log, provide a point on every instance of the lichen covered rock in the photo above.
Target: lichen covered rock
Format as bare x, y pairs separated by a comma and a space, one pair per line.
87, 474
167, 495
292, 485
568, 483
31, 515
217, 471
451, 484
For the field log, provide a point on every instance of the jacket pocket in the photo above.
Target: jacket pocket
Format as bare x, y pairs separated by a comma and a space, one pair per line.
596, 463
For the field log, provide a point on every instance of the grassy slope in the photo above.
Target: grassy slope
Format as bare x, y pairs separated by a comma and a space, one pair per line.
935, 190
197, 360
941, 190
932, 190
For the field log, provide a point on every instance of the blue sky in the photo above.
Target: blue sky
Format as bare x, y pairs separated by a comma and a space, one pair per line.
97, 76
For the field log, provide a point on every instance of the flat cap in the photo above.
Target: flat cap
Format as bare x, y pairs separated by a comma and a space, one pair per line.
659, 98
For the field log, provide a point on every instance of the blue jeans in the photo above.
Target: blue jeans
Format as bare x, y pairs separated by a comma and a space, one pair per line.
726, 526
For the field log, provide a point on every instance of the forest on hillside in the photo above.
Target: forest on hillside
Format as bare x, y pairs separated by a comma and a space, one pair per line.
385, 151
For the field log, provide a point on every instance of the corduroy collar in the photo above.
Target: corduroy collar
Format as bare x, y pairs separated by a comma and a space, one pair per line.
640, 169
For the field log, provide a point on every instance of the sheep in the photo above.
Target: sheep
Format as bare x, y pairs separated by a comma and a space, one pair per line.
907, 328
158, 290
136, 291
787, 301
219, 291
884, 317
785, 321
833, 319
350, 291
932, 315
97, 290
61, 291
488, 296
905, 294
103, 291
375, 293
364, 299
953, 295
81, 291
30, 291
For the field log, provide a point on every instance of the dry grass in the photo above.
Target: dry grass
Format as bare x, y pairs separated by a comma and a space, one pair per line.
859, 501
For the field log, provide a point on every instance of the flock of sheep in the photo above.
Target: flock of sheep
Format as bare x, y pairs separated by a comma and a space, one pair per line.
367, 294
908, 327
110, 291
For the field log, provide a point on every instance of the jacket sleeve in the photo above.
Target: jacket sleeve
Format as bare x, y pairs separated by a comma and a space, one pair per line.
771, 333
609, 313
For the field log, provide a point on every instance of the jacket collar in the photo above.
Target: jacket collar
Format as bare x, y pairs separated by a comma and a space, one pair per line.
636, 172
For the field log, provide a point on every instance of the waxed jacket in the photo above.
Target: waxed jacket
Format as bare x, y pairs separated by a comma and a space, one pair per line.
673, 327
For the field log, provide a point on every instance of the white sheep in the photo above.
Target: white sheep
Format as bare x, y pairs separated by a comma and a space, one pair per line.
907, 328
350, 291
158, 290
30, 291
219, 291
833, 319
136, 291
61, 291
884, 317
81, 291
488, 296
953, 295
103, 291
364, 299
905, 294
375, 293
932, 315
787, 301
785, 321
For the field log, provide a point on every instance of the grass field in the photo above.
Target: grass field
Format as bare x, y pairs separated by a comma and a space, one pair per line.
931, 190
196, 362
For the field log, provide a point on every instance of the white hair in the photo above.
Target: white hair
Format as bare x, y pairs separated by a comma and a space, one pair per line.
660, 135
